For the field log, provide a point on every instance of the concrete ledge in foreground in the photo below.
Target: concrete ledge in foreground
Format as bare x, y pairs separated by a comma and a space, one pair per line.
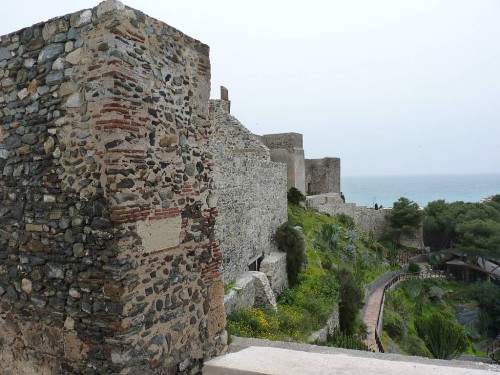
260, 360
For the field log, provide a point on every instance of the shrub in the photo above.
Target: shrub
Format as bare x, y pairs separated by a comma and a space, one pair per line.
293, 320
485, 322
317, 291
295, 196
292, 243
351, 300
393, 325
345, 220
341, 340
414, 345
487, 294
413, 268
314, 296
436, 293
413, 288
326, 261
396, 301
392, 254
472, 332
445, 338
253, 322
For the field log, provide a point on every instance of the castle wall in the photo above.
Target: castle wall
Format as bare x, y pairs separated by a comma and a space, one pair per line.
287, 148
251, 196
322, 176
108, 259
365, 218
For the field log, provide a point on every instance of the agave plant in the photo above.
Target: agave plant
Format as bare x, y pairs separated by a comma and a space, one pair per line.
445, 339
352, 235
350, 250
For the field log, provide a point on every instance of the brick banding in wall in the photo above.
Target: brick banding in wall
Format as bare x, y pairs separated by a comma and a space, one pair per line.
108, 258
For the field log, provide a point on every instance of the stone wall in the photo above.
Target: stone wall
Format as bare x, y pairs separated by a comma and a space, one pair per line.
251, 288
286, 141
287, 148
332, 324
108, 259
250, 194
367, 219
322, 176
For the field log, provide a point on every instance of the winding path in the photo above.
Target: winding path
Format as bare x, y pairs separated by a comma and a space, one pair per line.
374, 301
371, 311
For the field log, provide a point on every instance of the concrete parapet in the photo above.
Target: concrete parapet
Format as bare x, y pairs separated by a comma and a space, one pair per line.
275, 358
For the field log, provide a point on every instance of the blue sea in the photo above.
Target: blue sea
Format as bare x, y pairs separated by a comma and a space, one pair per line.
385, 190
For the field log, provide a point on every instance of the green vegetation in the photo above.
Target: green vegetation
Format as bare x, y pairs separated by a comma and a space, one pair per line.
420, 319
315, 290
345, 220
229, 286
404, 219
329, 262
413, 268
444, 338
295, 196
341, 340
480, 238
488, 297
351, 300
292, 243
474, 228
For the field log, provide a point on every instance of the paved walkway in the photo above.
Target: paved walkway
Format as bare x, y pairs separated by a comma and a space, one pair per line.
374, 298
371, 316
372, 307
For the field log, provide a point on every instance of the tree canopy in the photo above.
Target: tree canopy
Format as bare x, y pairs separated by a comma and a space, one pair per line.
404, 219
473, 228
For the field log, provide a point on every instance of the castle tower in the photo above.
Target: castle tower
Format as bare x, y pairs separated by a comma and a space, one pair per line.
287, 148
108, 262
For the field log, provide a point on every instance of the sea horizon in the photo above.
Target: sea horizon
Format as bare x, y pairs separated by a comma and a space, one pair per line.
422, 189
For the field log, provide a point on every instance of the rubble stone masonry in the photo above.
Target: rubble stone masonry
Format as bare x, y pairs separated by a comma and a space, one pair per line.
251, 199
108, 262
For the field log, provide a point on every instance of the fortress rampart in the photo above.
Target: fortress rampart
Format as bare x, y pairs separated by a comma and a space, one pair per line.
108, 259
127, 198
287, 148
251, 199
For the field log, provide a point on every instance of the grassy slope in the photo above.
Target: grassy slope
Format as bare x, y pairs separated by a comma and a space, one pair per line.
305, 307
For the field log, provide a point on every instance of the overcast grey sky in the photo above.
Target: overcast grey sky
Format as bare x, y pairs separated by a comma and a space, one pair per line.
391, 87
